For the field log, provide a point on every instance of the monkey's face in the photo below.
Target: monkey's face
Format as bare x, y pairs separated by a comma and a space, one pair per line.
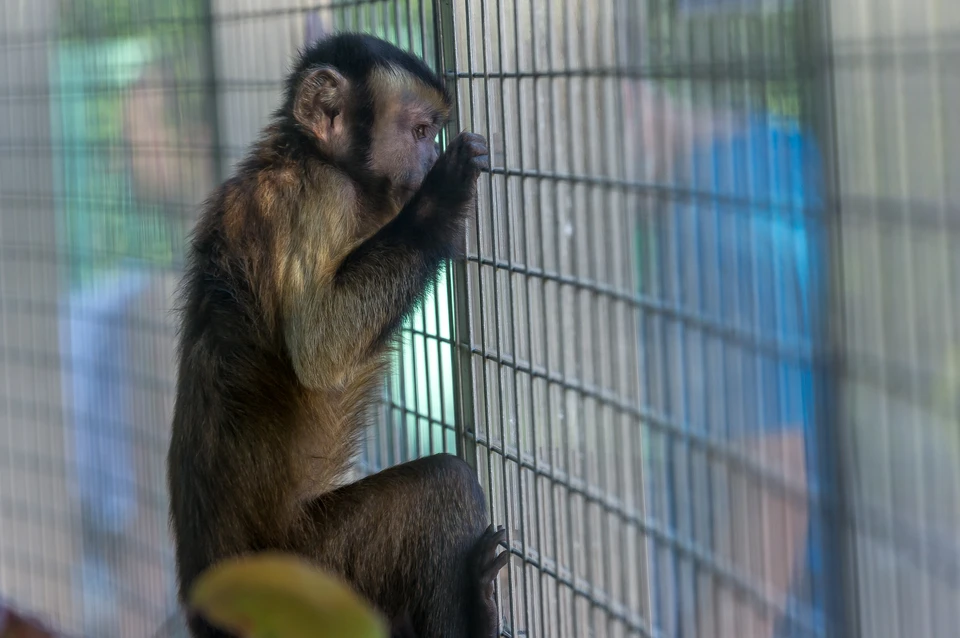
403, 145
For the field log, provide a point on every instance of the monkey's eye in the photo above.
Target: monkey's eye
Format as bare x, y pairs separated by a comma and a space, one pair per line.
420, 132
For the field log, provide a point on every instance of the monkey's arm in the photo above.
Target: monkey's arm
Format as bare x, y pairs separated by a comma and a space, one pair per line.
378, 283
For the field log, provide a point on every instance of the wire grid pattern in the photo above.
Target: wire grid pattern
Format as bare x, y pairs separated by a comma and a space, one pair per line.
595, 323
551, 348
895, 88
603, 355
105, 148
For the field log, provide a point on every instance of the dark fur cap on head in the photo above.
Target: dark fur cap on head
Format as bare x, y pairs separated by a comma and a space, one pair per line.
355, 56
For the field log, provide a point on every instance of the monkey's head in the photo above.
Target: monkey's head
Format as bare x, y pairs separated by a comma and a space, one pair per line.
370, 108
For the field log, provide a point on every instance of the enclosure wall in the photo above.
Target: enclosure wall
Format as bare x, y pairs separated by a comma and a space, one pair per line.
703, 350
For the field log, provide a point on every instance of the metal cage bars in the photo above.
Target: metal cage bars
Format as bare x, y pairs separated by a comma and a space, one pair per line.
557, 358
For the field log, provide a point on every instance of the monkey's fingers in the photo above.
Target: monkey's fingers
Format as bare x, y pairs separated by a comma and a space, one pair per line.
475, 158
476, 147
469, 137
482, 162
494, 566
489, 562
452, 181
467, 146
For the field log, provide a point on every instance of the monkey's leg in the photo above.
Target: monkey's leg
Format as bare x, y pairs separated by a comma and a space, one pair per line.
414, 540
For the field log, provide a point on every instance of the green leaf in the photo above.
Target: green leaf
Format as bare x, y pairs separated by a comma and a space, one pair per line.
275, 595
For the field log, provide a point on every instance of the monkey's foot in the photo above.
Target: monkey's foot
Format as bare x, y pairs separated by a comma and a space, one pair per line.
486, 564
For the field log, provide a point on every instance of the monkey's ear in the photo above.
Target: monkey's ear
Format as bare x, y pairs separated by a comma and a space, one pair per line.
320, 101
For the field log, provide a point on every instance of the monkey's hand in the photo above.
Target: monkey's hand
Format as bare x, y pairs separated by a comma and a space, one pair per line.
452, 182
463, 160
485, 565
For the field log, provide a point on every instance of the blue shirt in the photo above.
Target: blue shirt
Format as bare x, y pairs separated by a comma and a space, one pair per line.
739, 260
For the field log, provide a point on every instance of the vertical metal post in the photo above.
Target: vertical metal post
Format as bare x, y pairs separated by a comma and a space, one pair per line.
457, 273
213, 99
838, 594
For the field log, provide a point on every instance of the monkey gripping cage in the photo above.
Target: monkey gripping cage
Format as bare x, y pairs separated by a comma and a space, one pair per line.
703, 350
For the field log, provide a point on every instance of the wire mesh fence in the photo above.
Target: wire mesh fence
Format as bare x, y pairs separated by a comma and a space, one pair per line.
702, 350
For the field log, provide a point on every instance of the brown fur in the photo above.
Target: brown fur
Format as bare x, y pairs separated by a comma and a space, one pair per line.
302, 267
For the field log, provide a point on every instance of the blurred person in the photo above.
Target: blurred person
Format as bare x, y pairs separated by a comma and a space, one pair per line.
734, 251
101, 333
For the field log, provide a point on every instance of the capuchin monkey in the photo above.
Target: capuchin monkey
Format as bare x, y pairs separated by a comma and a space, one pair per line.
301, 268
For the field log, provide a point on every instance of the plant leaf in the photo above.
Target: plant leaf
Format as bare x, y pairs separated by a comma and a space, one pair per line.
276, 595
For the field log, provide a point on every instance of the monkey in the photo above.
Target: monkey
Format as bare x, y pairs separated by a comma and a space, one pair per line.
300, 269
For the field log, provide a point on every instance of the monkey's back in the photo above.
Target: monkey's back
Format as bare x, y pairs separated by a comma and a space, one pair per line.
249, 442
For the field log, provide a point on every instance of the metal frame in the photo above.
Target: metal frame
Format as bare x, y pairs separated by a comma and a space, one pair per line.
466, 428
840, 603
561, 427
